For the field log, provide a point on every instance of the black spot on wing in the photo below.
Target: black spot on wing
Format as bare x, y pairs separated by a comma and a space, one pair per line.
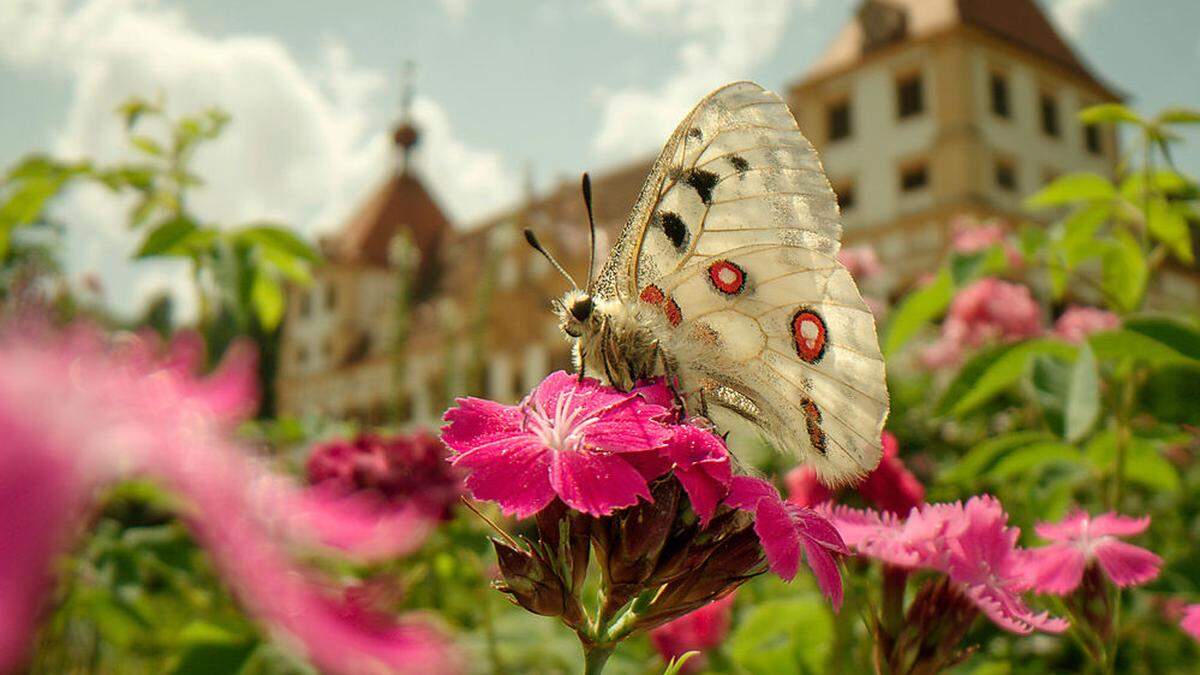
695, 133
702, 182
675, 229
739, 163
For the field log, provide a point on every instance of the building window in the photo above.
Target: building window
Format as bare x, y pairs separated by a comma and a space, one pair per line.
1000, 95
914, 176
839, 120
1006, 175
1049, 115
845, 196
910, 96
1091, 139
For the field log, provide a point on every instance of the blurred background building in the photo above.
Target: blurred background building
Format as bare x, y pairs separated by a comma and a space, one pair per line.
922, 110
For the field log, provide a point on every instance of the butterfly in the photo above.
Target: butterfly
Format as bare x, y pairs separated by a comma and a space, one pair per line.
725, 280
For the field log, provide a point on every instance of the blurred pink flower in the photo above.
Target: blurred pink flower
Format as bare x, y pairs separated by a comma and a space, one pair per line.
971, 543
989, 310
861, 261
971, 236
575, 439
700, 630
405, 470
76, 415
1079, 540
1077, 322
890, 487
1191, 621
785, 528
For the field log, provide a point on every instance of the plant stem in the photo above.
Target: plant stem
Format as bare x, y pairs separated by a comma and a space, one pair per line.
1124, 434
894, 581
594, 658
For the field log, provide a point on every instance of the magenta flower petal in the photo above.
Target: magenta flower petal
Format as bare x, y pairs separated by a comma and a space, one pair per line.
515, 474
1126, 564
804, 488
596, 483
891, 486
744, 492
778, 536
476, 421
702, 466
1191, 621
1056, 569
825, 569
1008, 611
1095, 540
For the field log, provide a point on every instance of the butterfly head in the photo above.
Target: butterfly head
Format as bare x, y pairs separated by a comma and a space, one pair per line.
576, 312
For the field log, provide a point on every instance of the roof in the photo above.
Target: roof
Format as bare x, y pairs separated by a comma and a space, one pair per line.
1019, 22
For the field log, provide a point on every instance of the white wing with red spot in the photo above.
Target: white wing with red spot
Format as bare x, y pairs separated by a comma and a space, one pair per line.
737, 229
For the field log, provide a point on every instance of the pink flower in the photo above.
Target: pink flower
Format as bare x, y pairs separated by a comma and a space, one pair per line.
785, 528
989, 310
1191, 621
701, 463
972, 544
575, 439
1078, 322
76, 415
405, 470
890, 487
861, 261
700, 630
1079, 540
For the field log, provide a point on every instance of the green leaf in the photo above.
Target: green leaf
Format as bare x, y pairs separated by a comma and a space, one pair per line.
1164, 180
982, 456
1169, 225
1120, 345
784, 637
212, 650
1004, 371
147, 145
968, 374
1032, 459
267, 296
1073, 188
1113, 113
1170, 394
1125, 273
1143, 462
1182, 337
1083, 395
279, 239
1178, 116
676, 665
165, 239
917, 310
289, 266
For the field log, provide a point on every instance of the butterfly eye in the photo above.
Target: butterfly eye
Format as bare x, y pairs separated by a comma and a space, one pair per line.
582, 309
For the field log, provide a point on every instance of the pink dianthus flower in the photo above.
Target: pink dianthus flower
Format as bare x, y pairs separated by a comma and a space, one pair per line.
1077, 322
989, 310
971, 543
1191, 621
1080, 540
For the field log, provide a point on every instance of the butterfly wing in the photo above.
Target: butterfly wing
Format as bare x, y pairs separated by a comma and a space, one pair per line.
734, 236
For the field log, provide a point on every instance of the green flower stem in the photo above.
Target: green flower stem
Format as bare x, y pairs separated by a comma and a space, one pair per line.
895, 580
595, 656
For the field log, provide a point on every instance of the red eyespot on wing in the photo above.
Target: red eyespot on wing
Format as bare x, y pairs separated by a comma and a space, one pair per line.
652, 295
808, 334
812, 422
673, 313
727, 277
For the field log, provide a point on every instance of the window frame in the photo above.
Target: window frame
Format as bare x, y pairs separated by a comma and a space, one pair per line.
900, 83
838, 104
1049, 116
910, 166
999, 77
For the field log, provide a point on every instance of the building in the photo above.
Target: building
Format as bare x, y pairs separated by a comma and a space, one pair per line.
921, 110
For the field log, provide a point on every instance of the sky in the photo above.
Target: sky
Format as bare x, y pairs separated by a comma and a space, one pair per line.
505, 93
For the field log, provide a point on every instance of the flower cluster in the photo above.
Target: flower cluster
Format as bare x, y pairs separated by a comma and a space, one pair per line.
890, 487
78, 413
970, 543
404, 470
970, 237
653, 494
989, 310
1077, 322
1080, 541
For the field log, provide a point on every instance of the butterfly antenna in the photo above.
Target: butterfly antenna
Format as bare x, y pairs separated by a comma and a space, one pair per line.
587, 201
537, 246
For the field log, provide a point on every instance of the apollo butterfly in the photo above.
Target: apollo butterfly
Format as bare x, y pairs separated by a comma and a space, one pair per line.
725, 280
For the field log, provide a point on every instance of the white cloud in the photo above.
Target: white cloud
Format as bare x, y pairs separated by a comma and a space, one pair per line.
720, 41
1073, 15
306, 141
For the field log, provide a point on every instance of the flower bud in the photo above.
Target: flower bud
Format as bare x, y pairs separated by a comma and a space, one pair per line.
530, 581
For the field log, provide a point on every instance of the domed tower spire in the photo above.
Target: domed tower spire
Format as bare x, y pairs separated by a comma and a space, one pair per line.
406, 134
